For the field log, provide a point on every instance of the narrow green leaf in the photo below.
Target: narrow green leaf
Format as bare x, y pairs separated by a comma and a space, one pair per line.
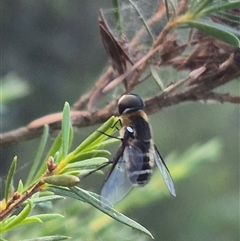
216, 32
88, 155
86, 164
156, 77
19, 218
56, 157
10, 175
29, 220
72, 172
107, 142
66, 125
117, 14
105, 133
39, 219
200, 6
38, 157
6, 221
20, 187
70, 139
46, 198
228, 17
64, 191
227, 28
35, 195
49, 238
56, 146
167, 9
173, 9
97, 136
140, 16
48, 216
220, 7
94, 200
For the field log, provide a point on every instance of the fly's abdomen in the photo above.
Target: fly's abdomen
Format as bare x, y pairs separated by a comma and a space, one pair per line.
146, 172
140, 167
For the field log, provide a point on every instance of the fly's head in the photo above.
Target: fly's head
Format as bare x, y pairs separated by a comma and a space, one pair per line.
130, 103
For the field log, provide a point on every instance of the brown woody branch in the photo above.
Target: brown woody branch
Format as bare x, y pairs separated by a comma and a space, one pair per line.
167, 98
17, 199
212, 63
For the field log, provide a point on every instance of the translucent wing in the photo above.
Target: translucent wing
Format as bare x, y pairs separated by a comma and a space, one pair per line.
123, 176
117, 186
164, 171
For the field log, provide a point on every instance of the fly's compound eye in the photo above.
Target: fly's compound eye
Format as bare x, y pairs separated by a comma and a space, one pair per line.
130, 103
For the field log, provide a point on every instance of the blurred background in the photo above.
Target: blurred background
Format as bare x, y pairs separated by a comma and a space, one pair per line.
52, 53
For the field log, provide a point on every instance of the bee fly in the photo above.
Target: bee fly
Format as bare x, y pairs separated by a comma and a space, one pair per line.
134, 161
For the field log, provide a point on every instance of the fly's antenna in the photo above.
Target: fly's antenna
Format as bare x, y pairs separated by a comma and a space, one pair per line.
115, 124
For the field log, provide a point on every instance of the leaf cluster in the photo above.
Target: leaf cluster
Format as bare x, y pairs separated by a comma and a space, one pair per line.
60, 168
200, 16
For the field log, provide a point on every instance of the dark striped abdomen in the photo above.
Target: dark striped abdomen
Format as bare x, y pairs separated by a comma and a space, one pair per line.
140, 169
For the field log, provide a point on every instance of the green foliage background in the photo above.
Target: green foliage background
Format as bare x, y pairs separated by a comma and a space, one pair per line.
55, 47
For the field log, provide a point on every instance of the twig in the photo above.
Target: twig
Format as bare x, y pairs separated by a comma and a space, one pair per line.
219, 68
222, 97
18, 199
14, 204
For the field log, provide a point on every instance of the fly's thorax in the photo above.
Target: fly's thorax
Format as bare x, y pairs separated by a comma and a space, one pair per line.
128, 118
139, 122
